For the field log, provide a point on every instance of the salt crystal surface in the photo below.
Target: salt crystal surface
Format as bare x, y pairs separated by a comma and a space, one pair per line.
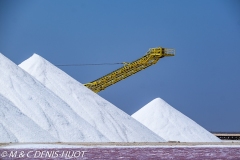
41, 105
17, 127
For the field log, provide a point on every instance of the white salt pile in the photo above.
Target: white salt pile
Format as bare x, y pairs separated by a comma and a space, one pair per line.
113, 123
17, 127
41, 105
171, 124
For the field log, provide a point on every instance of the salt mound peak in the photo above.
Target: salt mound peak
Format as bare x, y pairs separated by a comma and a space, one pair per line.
45, 108
171, 124
112, 122
17, 127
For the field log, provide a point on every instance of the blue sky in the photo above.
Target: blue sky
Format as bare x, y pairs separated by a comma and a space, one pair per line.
202, 81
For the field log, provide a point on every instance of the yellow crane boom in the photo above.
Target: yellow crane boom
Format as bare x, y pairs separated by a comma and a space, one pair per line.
151, 57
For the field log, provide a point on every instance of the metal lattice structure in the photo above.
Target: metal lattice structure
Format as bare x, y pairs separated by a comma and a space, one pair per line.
151, 58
